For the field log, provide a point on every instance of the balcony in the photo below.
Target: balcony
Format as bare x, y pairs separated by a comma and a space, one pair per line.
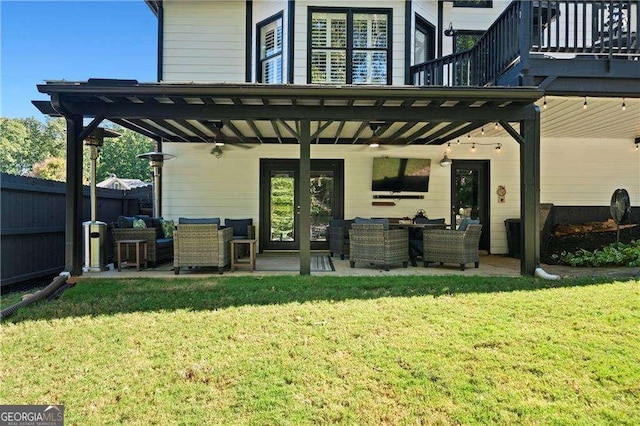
559, 45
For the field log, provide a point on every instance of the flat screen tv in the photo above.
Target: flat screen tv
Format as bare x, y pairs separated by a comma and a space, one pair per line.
400, 174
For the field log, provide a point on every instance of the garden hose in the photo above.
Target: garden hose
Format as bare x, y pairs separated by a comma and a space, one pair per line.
56, 284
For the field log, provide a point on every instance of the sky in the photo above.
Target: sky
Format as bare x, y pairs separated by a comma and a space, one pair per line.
71, 40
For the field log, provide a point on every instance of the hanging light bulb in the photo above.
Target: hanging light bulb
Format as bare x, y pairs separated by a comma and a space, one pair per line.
544, 103
482, 131
458, 141
468, 136
496, 126
584, 105
448, 146
624, 105
473, 147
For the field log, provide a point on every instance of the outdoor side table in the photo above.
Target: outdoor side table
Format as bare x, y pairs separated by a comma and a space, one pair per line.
236, 262
141, 250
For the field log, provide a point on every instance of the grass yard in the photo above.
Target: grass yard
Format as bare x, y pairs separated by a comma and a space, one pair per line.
309, 350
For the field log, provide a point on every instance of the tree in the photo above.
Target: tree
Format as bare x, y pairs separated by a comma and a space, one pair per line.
31, 147
118, 156
27, 141
53, 168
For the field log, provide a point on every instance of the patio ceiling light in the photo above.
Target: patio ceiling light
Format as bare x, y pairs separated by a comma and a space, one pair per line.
446, 161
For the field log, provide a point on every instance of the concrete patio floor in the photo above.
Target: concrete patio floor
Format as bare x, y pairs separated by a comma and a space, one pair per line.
288, 264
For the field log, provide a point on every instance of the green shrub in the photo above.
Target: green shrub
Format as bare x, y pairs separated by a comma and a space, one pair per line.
616, 254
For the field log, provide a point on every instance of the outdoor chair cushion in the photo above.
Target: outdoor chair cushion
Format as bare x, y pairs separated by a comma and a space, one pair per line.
167, 228
383, 221
240, 227
164, 243
466, 222
199, 221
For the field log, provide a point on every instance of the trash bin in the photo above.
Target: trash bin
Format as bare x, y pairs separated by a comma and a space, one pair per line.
95, 249
513, 236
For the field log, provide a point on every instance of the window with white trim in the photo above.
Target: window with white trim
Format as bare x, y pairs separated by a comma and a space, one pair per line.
349, 46
270, 60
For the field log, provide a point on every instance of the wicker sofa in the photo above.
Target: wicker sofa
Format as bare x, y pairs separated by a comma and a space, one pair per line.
452, 246
160, 249
371, 243
200, 245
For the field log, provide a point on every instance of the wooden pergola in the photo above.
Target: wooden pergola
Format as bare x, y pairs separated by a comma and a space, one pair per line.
299, 115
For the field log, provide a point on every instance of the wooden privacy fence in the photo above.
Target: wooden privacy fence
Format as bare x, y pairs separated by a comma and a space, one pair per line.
33, 223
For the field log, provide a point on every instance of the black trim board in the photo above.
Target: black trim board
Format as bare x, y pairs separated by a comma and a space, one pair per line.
291, 32
408, 14
160, 14
249, 36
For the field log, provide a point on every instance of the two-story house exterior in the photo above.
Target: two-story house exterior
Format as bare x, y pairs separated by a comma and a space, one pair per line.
544, 109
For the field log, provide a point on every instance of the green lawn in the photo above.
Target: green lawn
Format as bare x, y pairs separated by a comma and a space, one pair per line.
309, 350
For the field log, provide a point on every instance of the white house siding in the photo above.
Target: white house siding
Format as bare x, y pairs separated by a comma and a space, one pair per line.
204, 41
585, 172
301, 8
469, 18
264, 9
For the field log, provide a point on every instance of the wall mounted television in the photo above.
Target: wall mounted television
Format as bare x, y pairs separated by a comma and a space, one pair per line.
400, 174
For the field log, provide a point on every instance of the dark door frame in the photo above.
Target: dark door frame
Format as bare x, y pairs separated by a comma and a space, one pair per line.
484, 209
293, 164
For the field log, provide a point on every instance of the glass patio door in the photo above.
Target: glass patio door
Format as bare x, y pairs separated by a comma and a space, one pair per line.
279, 204
470, 194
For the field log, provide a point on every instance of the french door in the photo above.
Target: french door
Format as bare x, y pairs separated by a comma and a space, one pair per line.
280, 205
470, 195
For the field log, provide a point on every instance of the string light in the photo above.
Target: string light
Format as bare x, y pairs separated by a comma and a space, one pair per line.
624, 105
584, 105
544, 103
496, 126
468, 136
497, 145
482, 131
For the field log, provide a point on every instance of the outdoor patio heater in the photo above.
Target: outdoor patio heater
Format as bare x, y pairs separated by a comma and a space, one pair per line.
156, 161
95, 232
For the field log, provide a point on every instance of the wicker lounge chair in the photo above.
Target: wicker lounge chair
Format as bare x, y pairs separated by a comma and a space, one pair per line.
201, 245
159, 249
338, 235
371, 243
452, 246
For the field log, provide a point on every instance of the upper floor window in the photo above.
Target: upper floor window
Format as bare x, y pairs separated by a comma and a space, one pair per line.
270, 50
424, 44
465, 39
351, 46
473, 3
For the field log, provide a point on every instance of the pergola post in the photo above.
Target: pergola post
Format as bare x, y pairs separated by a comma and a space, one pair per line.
530, 191
74, 204
304, 208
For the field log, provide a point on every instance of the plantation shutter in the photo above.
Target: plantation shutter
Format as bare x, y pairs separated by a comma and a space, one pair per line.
271, 52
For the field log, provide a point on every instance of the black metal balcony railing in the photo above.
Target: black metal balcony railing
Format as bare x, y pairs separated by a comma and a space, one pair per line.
601, 29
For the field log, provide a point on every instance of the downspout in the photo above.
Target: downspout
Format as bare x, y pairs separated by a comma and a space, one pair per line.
440, 26
160, 41
57, 286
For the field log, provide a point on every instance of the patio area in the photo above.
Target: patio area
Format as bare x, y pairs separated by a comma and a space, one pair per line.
288, 264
